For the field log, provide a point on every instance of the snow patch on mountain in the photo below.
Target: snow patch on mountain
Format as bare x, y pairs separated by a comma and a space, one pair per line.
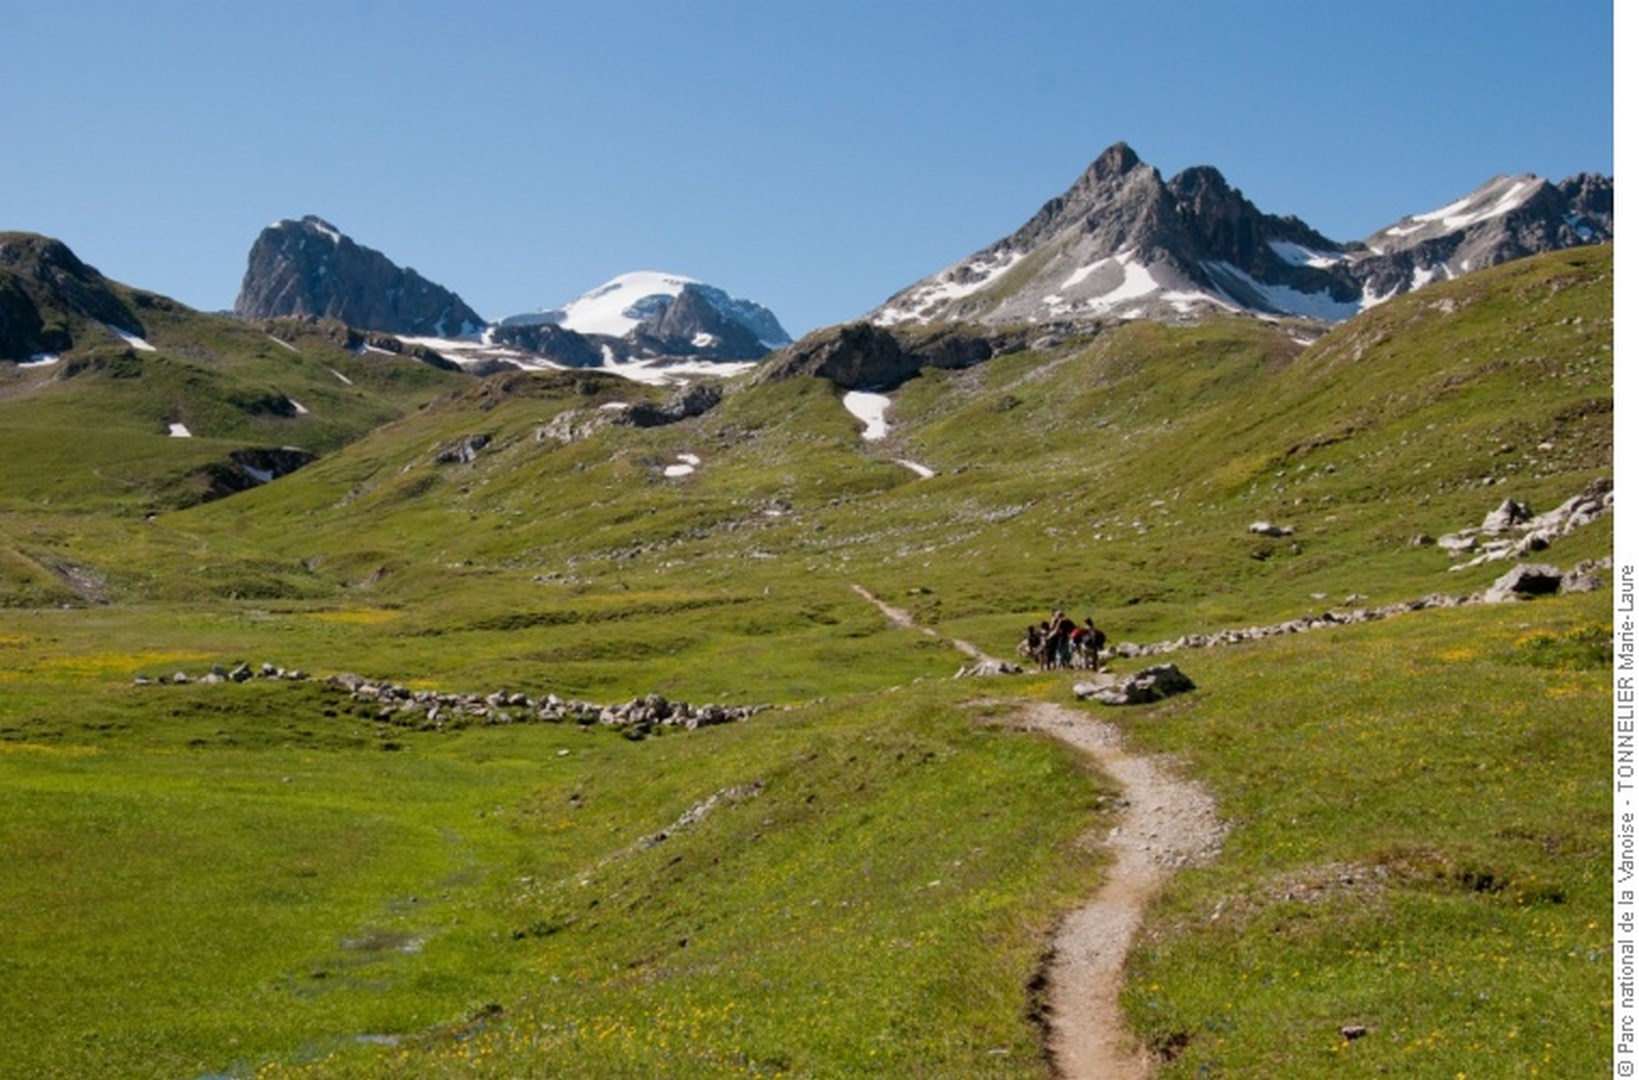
961, 280
130, 339
1480, 206
871, 409
1287, 300
616, 307
1298, 255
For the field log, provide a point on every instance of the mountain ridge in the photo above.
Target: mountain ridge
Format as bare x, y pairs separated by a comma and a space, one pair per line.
1121, 242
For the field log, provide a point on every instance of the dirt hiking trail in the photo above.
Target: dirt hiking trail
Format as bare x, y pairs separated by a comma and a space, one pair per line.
1166, 824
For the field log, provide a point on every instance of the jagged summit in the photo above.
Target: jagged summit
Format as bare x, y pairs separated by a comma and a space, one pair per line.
309, 268
1123, 243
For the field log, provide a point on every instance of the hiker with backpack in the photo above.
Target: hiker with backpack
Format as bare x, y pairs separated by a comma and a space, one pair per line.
1088, 640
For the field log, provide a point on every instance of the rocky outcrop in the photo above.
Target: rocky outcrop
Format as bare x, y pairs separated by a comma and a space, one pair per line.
1525, 580
550, 342
1512, 531
860, 356
308, 267
1521, 582
1140, 688
246, 468
45, 290
462, 451
693, 400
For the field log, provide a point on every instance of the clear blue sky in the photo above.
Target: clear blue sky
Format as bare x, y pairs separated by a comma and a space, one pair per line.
812, 156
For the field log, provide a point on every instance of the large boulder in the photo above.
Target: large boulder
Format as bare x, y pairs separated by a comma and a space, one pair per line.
1150, 684
1525, 580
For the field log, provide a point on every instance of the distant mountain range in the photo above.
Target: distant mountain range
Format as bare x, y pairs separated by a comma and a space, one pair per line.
1122, 243
310, 268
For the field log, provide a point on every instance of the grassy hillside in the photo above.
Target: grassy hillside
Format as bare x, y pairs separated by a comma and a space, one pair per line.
870, 890
95, 423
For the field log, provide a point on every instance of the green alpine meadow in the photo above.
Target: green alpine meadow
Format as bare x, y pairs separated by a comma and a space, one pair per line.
255, 823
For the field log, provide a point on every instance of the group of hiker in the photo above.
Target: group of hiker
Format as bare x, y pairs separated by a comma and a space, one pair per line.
1060, 643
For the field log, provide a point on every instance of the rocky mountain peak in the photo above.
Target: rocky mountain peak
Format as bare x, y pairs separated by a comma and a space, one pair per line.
310, 268
1117, 160
1121, 243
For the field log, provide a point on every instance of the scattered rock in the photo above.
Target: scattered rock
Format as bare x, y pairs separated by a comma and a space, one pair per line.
1505, 517
1534, 533
1265, 528
395, 705
463, 451
1150, 684
985, 668
1585, 576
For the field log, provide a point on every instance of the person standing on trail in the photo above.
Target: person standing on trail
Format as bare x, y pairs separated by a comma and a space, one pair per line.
1058, 640
1092, 642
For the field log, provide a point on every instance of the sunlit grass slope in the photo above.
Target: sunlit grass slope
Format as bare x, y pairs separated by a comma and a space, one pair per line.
93, 427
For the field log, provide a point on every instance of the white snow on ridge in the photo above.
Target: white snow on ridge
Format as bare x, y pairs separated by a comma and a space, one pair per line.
1480, 206
179, 431
130, 338
1082, 274
604, 309
1459, 215
1299, 255
465, 351
1427, 275
945, 287
664, 372
43, 359
1289, 300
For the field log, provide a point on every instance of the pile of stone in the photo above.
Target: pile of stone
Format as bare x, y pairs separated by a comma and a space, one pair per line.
219, 674
438, 710
1524, 581
1512, 531
433, 710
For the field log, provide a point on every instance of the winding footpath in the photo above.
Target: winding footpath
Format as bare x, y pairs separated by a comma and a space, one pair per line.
1166, 823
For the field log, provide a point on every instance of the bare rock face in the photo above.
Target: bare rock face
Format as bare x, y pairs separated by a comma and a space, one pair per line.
692, 325
308, 268
860, 356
